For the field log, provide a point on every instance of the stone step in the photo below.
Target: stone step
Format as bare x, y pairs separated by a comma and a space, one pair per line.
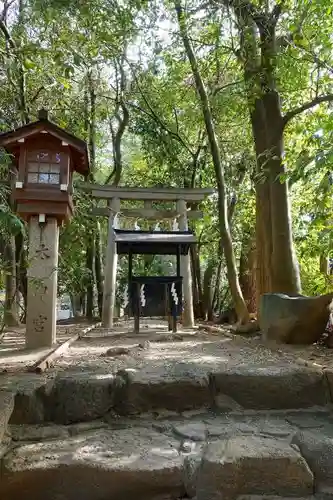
6, 409
244, 455
70, 397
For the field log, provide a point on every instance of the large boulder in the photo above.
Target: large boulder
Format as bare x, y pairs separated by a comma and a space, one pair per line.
293, 319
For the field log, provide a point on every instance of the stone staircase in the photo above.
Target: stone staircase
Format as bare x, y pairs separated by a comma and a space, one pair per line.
242, 432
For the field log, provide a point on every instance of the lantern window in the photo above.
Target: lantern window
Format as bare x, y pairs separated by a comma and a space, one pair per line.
44, 167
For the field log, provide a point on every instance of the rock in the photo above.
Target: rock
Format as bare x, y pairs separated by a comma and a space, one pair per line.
79, 398
273, 387
293, 319
224, 403
272, 497
6, 409
101, 465
226, 427
117, 351
317, 449
190, 474
30, 392
38, 432
144, 345
248, 328
309, 421
156, 388
273, 427
328, 374
252, 465
4, 446
82, 427
195, 431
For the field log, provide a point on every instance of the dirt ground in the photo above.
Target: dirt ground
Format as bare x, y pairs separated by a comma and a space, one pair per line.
14, 356
197, 348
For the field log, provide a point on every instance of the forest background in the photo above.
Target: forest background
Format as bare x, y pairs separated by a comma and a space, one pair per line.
229, 94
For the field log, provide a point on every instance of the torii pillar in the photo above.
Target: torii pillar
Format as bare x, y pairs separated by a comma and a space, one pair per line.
185, 269
110, 271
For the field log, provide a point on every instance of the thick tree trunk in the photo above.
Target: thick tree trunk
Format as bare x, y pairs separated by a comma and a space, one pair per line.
226, 242
264, 244
277, 269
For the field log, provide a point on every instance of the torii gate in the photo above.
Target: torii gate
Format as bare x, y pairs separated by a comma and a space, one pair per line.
114, 195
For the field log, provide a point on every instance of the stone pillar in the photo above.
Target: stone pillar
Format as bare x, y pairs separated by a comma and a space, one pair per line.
42, 282
110, 271
185, 269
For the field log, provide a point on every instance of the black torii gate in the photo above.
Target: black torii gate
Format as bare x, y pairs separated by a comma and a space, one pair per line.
129, 242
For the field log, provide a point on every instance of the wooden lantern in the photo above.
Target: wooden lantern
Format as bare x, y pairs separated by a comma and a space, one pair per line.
45, 157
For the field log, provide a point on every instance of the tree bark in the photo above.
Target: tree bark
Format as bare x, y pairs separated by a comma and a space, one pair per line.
196, 282
207, 289
21, 273
247, 272
11, 313
226, 242
277, 268
324, 264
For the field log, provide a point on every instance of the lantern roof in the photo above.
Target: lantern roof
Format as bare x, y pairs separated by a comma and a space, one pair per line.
44, 125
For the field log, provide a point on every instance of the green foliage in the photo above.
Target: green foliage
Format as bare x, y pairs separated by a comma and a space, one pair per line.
61, 44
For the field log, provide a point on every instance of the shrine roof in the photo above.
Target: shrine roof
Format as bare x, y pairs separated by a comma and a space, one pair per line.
153, 242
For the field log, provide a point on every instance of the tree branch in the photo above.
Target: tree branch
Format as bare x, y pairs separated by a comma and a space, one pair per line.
304, 107
6, 7
277, 11
153, 115
226, 85
7, 35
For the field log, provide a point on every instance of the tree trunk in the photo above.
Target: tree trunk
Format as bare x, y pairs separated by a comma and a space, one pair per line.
247, 272
285, 276
21, 271
76, 301
226, 242
196, 282
217, 287
324, 264
207, 289
11, 313
277, 268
